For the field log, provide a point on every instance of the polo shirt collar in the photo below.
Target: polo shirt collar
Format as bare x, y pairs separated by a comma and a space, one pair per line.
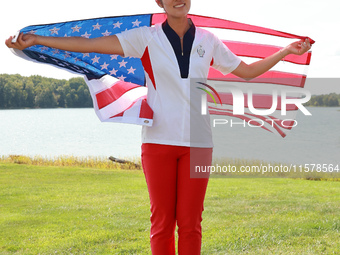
172, 35
182, 55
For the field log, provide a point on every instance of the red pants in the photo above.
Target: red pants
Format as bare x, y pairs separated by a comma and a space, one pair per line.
175, 197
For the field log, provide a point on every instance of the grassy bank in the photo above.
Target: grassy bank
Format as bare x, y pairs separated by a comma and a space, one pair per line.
73, 210
254, 168
72, 161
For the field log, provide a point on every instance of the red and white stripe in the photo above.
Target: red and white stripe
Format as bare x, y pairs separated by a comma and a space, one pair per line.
119, 101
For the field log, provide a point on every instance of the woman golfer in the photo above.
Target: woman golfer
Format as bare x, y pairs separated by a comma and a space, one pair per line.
172, 54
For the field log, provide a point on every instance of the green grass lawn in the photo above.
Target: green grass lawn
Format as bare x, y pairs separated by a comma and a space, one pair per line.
69, 210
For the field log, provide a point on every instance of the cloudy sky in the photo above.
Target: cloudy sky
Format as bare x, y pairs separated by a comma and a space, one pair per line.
314, 18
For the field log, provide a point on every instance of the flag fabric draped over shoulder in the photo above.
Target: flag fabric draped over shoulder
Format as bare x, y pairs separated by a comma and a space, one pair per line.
117, 84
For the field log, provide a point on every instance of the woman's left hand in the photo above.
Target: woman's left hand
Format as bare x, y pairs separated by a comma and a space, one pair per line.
257, 68
298, 48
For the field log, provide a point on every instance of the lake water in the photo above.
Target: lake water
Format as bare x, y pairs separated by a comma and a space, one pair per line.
54, 132
78, 132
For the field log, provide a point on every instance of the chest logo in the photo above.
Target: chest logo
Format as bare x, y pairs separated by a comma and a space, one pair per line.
200, 51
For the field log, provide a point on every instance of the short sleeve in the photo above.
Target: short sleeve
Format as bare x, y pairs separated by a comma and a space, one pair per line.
224, 60
134, 41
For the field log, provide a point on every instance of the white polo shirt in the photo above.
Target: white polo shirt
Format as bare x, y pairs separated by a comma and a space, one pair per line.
171, 77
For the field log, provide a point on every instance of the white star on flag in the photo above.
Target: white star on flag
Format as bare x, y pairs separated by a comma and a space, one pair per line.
114, 57
67, 55
122, 63
42, 56
113, 72
104, 66
97, 26
86, 55
43, 48
54, 30
55, 51
136, 23
95, 59
86, 35
106, 33
122, 78
131, 70
117, 24
55, 60
75, 29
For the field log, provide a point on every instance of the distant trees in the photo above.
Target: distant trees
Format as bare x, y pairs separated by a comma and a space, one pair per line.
330, 100
17, 91
35, 91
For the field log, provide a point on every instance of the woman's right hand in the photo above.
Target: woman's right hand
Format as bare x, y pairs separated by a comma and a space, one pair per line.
24, 41
104, 44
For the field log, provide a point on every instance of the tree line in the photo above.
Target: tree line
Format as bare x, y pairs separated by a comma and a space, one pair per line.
17, 91
331, 100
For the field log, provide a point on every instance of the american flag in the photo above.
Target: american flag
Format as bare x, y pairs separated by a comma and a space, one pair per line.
117, 84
